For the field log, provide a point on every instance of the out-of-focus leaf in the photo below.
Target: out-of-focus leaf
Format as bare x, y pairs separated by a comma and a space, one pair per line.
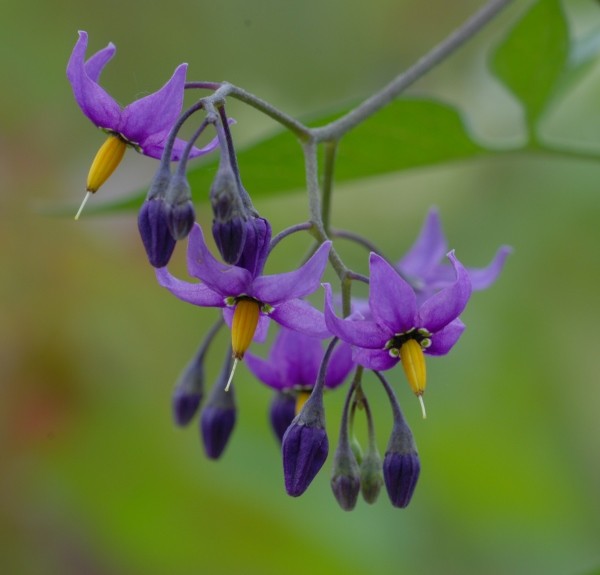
406, 134
533, 56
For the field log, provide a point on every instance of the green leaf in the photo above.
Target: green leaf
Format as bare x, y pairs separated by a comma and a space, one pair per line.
533, 55
406, 134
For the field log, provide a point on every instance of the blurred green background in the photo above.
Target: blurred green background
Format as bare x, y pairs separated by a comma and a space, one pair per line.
95, 479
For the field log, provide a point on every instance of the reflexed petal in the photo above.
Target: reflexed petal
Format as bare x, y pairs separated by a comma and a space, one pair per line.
428, 249
222, 278
482, 278
299, 283
377, 359
339, 365
154, 145
392, 301
197, 294
93, 100
446, 305
300, 316
95, 63
362, 333
155, 113
443, 341
265, 371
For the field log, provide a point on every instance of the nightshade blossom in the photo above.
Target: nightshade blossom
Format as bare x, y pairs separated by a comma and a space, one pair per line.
144, 124
248, 298
399, 328
423, 266
292, 368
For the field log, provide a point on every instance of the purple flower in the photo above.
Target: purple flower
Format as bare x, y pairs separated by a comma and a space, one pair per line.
292, 369
294, 362
399, 328
143, 124
423, 266
248, 298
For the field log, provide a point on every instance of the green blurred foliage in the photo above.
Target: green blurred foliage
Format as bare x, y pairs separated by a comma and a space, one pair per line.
96, 479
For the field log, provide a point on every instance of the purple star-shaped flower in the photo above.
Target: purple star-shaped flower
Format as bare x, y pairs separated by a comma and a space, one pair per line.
397, 318
248, 298
145, 123
423, 266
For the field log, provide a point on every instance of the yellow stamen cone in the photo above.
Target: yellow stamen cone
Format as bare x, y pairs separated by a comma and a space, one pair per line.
413, 362
301, 400
243, 326
107, 159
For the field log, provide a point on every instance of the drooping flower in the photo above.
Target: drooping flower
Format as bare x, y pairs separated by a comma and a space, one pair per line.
291, 370
248, 298
423, 262
143, 124
399, 328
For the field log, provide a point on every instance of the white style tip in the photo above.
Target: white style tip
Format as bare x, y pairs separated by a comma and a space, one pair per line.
85, 199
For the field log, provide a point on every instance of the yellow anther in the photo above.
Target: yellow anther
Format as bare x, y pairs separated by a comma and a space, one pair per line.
107, 159
301, 399
413, 362
243, 326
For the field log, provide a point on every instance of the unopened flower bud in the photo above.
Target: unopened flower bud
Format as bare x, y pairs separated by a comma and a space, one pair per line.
305, 446
189, 392
218, 416
153, 222
401, 465
229, 224
181, 209
281, 413
256, 245
371, 476
345, 478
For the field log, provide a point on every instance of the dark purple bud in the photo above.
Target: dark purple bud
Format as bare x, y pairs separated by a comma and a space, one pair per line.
401, 465
218, 416
305, 446
256, 246
189, 392
345, 477
153, 220
371, 476
401, 472
154, 230
281, 413
181, 209
230, 238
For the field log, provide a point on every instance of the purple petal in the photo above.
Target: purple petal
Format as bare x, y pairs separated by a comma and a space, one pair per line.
155, 144
297, 357
93, 100
483, 278
339, 365
377, 359
299, 283
446, 305
197, 294
361, 332
155, 113
262, 329
95, 63
428, 249
392, 301
222, 278
265, 371
443, 341
300, 316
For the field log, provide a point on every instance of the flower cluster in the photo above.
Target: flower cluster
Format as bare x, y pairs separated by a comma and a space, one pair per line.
413, 309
